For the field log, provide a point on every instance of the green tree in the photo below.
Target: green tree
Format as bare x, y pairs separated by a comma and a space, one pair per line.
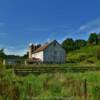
80, 43
68, 44
2, 54
25, 56
93, 39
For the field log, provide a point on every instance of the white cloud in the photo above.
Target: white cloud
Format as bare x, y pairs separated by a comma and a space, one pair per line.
84, 30
15, 52
92, 26
12, 50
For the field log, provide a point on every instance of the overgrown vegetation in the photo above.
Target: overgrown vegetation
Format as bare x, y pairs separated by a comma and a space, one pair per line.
86, 56
49, 86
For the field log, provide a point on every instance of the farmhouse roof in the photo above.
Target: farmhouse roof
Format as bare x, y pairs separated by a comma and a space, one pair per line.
42, 48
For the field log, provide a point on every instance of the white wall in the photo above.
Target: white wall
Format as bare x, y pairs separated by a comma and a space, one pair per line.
38, 55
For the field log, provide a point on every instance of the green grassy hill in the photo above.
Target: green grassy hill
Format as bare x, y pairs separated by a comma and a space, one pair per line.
86, 56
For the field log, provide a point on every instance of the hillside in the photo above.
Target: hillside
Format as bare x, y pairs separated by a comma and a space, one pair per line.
86, 56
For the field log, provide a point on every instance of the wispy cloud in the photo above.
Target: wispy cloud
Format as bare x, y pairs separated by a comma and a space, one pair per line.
15, 50
84, 30
92, 26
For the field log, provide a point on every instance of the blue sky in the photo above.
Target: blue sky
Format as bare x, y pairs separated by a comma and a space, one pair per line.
25, 21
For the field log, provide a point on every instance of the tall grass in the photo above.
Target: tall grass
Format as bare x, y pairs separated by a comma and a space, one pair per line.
66, 85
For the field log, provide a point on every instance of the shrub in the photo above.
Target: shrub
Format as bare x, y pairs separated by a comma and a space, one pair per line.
72, 60
82, 57
77, 58
96, 92
90, 61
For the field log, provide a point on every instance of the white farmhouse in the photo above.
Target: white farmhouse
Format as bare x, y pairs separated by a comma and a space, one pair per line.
48, 53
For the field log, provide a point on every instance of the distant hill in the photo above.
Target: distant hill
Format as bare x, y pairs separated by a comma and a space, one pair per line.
88, 55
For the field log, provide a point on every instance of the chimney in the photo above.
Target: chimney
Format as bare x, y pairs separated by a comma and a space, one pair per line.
37, 46
30, 50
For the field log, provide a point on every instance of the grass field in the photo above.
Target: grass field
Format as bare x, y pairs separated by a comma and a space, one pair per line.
86, 56
51, 86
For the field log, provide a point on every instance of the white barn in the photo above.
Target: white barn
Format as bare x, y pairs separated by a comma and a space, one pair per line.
48, 53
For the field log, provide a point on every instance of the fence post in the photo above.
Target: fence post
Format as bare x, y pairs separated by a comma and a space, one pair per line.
25, 62
4, 62
85, 89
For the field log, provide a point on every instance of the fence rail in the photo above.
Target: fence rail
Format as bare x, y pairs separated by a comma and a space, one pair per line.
23, 69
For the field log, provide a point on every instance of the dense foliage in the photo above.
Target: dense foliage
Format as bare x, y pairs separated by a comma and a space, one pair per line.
2, 54
70, 45
93, 39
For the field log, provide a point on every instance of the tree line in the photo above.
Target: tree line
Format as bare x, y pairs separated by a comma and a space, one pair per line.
3, 55
69, 44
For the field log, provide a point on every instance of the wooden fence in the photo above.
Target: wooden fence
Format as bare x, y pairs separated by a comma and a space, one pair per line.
23, 69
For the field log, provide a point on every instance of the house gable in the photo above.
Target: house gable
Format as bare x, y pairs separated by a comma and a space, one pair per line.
54, 53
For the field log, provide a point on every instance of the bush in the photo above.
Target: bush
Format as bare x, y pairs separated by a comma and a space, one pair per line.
72, 60
96, 92
90, 61
82, 57
77, 58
